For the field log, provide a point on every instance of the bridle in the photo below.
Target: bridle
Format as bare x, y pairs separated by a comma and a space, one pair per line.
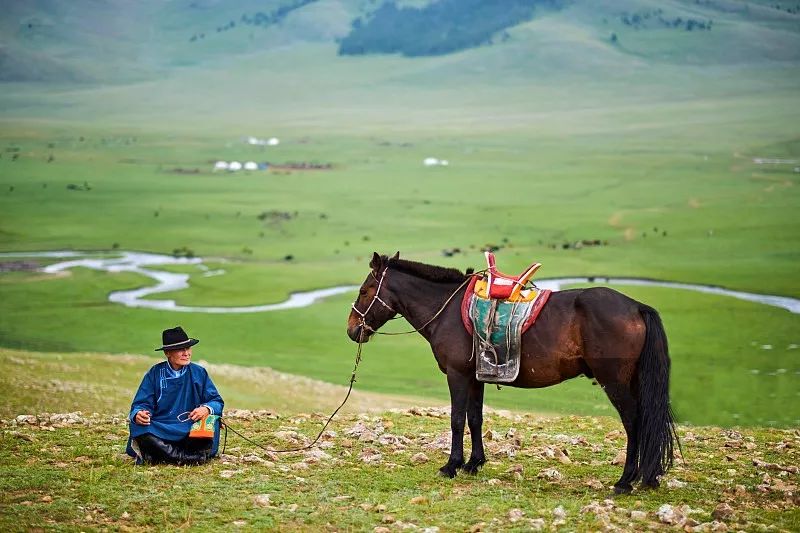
375, 298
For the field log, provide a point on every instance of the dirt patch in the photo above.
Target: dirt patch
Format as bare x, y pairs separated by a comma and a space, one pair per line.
181, 170
629, 234
19, 266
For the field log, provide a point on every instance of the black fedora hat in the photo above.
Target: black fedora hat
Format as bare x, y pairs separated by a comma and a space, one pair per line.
175, 339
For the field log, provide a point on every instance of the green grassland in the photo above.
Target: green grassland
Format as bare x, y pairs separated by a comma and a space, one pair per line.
555, 136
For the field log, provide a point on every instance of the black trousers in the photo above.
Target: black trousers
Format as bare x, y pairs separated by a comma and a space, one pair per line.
155, 450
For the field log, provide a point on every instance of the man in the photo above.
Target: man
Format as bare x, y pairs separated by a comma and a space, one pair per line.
173, 395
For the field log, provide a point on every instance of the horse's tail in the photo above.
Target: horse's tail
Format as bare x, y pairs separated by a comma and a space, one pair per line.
656, 423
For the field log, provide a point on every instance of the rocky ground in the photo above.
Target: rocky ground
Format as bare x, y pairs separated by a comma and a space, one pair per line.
378, 472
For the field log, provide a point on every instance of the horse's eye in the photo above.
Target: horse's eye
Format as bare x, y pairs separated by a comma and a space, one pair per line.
362, 292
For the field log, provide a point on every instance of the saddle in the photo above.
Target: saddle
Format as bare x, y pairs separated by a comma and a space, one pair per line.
497, 309
504, 287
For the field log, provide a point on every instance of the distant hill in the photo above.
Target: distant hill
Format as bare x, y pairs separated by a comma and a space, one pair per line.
119, 41
438, 28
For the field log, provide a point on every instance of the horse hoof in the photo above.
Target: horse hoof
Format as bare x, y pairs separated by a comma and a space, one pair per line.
447, 472
623, 489
472, 467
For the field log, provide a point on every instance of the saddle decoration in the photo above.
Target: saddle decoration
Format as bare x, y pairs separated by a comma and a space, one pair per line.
497, 309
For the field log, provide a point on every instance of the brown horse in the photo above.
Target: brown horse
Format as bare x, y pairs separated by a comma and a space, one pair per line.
597, 332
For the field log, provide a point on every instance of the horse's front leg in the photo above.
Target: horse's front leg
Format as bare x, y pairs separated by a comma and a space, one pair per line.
475, 421
459, 392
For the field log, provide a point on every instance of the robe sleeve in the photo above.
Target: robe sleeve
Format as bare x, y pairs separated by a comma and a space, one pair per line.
211, 397
145, 398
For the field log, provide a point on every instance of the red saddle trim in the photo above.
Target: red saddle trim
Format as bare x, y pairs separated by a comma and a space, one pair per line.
538, 305
465, 305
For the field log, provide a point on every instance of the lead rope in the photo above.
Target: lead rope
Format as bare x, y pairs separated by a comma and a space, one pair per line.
227, 426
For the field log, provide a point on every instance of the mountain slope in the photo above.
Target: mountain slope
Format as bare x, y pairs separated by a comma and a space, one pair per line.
123, 41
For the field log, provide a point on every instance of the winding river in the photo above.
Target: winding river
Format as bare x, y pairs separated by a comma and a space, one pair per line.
141, 263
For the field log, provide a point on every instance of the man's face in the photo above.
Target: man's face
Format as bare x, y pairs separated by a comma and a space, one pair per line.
179, 358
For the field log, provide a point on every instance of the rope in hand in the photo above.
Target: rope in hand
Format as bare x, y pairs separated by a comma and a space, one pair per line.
227, 426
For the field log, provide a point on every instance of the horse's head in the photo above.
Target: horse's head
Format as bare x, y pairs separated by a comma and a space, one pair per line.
373, 307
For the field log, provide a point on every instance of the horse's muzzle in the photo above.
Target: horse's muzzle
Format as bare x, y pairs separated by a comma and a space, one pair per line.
358, 333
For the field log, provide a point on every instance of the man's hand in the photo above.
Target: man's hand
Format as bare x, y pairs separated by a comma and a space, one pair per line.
142, 418
199, 412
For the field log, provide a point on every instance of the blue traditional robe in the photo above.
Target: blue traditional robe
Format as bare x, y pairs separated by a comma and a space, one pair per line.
167, 393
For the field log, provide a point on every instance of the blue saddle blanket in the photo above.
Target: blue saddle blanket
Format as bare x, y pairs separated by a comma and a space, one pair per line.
497, 337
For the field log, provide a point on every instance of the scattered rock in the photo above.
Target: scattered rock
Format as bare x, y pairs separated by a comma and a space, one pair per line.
551, 474
515, 515
26, 419
619, 459
370, 457
262, 500
638, 515
675, 484
23, 436
723, 511
419, 458
668, 515
537, 524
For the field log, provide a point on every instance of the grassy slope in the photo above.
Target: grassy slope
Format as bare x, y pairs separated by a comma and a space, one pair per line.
579, 138
91, 382
75, 476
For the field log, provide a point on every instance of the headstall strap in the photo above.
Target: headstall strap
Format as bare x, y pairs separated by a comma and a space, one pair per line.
375, 297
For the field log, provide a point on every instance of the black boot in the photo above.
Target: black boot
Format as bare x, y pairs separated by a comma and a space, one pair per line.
158, 451
196, 451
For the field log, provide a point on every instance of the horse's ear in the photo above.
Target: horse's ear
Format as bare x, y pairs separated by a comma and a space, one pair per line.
376, 262
396, 256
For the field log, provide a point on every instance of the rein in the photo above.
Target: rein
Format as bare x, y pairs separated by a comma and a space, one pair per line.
364, 326
227, 426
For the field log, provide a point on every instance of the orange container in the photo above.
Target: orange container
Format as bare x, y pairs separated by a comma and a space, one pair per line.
204, 428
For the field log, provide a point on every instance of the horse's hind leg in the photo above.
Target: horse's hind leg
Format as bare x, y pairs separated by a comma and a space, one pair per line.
459, 392
627, 407
475, 421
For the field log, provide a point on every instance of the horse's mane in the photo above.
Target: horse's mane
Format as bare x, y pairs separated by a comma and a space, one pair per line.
433, 273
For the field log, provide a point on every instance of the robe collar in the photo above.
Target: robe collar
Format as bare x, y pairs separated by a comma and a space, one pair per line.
172, 373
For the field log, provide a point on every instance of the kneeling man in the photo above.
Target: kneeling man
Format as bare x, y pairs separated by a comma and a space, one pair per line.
173, 395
